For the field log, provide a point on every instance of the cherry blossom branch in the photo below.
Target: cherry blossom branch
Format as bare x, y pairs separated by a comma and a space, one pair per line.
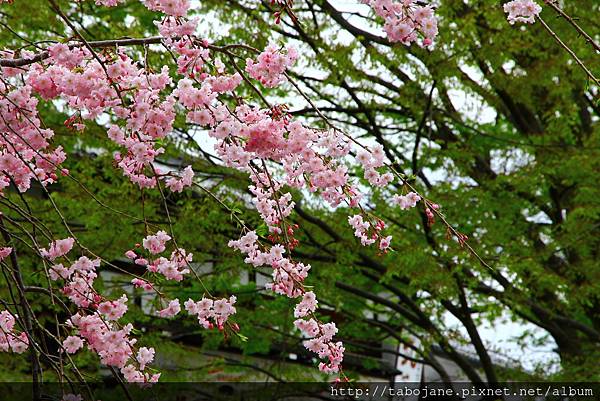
62, 15
555, 6
63, 220
430, 205
108, 43
571, 52
26, 310
51, 162
269, 136
526, 11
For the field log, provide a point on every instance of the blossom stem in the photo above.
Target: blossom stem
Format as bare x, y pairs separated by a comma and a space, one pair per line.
553, 4
571, 52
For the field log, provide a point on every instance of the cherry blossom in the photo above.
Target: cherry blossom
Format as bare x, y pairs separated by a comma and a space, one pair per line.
406, 201
58, 248
108, 3
406, 20
111, 343
384, 243
307, 305
113, 310
99, 328
133, 375
177, 184
367, 231
156, 243
171, 310
72, 343
211, 311
522, 11
25, 152
139, 283
176, 8
371, 160
9, 339
288, 277
271, 64
4, 252
145, 356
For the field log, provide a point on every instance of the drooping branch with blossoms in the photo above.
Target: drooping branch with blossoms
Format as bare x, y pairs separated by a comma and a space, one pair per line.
93, 83
276, 150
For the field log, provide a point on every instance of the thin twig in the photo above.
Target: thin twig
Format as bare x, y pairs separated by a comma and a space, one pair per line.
571, 52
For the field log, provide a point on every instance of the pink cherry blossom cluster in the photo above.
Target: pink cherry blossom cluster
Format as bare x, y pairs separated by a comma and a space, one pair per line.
320, 334
99, 329
58, 248
248, 133
406, 20
307, 306
141, 283
155, 244
406, 201
72, 344
90, 88
207, 310
25, 153
271, 64
369, 232
178, 32
172, 28
288, 277
371, 160
522, 11
4, 252
113, 310
9, 339
172, 309
113, 346
310, 159
79, 279
175, 8
173, 268
320, 342
177, 184
366, 228
118, 84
